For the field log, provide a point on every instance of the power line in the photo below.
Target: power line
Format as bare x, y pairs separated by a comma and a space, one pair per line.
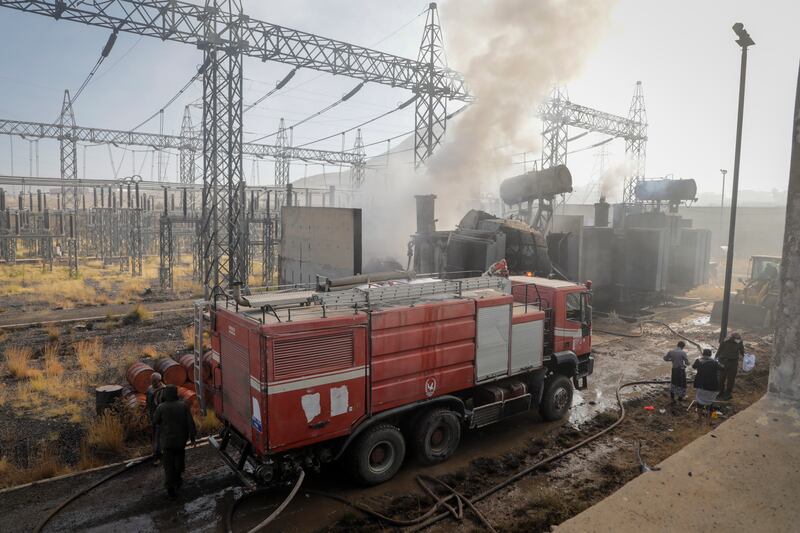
177, 95
341, 100
398, 108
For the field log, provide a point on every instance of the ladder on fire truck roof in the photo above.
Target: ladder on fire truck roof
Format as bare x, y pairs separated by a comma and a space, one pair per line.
364, 297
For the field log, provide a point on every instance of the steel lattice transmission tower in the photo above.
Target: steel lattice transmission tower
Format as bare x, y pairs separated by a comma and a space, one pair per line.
430, 117
357, 172
554, 129
222, 144
187, 153
636, 145
69, 155
282, 161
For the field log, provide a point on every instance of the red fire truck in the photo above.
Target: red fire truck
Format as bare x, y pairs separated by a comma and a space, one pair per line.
368, 374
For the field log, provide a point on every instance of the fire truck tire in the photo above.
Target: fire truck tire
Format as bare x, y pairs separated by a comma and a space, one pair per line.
377, 454
436, 436
557, 398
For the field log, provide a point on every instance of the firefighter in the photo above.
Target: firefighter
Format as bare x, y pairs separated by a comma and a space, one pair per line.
679, 361
729, 352
155, 393
175, 427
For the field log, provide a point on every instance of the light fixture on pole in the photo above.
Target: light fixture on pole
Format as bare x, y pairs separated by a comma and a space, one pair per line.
743, 41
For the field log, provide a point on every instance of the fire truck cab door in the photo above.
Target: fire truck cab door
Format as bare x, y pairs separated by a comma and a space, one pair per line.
317, 385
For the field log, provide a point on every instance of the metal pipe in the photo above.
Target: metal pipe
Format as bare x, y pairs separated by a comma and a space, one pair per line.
744, 43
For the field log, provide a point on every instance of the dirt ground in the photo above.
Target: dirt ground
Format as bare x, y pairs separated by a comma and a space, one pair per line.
486, 456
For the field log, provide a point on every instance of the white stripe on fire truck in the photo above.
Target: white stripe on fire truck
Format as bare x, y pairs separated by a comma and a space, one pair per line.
563, 332
255, 383
304, 383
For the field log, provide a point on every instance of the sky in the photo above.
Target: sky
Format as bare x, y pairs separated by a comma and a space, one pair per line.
683, 52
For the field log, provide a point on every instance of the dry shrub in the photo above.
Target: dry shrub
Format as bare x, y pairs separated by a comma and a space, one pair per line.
208, 424
3, 395
150, 351
52, 366
106, 434
53, 332
136, 315
43, 465
188, 337
89, 353
26, 397
18, 362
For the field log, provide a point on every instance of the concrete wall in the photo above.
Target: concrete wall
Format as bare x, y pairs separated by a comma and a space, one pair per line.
784, 376
324, 241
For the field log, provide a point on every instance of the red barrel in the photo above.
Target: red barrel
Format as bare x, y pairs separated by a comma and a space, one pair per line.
172, 373
131, 402
139, 376
187, 362
141, 400
209, 364
189, 397
189, 385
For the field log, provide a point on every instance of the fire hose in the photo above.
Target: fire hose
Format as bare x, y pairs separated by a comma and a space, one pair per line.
451, 508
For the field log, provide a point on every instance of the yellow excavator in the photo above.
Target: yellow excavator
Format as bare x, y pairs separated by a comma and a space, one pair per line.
754, 305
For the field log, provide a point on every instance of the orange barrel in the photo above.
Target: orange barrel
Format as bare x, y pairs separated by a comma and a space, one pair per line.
189, 397
130, 402
187, 362
105, 396
139, 376
141, 400
209, 364
189, 385
172, 373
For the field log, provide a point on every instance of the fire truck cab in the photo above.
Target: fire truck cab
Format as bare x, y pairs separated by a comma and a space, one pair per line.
371, 374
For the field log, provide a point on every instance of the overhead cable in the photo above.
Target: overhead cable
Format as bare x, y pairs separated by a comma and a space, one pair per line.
200, 72
402, 105
325, 109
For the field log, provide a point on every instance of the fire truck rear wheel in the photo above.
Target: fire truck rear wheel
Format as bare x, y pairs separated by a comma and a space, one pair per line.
557, 398
377, 454
436, 436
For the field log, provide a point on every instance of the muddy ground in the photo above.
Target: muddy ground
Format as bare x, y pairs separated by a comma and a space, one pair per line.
135, 500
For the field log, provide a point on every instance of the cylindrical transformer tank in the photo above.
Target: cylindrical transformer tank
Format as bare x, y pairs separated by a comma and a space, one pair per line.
536, 184
601, 213
665, 190
426, 217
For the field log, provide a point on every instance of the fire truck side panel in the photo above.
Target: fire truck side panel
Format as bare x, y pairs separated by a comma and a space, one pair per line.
421, 352
317, 387
527, 338
239, 346
493, 338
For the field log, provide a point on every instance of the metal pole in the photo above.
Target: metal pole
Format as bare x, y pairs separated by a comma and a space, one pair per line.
744, 41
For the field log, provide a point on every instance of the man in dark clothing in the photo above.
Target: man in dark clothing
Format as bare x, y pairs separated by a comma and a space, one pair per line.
730, 350
175, 427
154, 396
706, 383
679, 361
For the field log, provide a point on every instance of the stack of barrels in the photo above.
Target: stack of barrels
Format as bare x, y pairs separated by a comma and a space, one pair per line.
178, 373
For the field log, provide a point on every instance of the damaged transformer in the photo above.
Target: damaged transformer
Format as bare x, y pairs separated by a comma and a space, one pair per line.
479, 240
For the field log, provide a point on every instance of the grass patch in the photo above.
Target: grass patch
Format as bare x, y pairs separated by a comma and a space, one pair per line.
43, 465
18, 362
106, 434
53, 332
89, 353
137, 315
188, 337
208, 424
52, 366
150, 351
